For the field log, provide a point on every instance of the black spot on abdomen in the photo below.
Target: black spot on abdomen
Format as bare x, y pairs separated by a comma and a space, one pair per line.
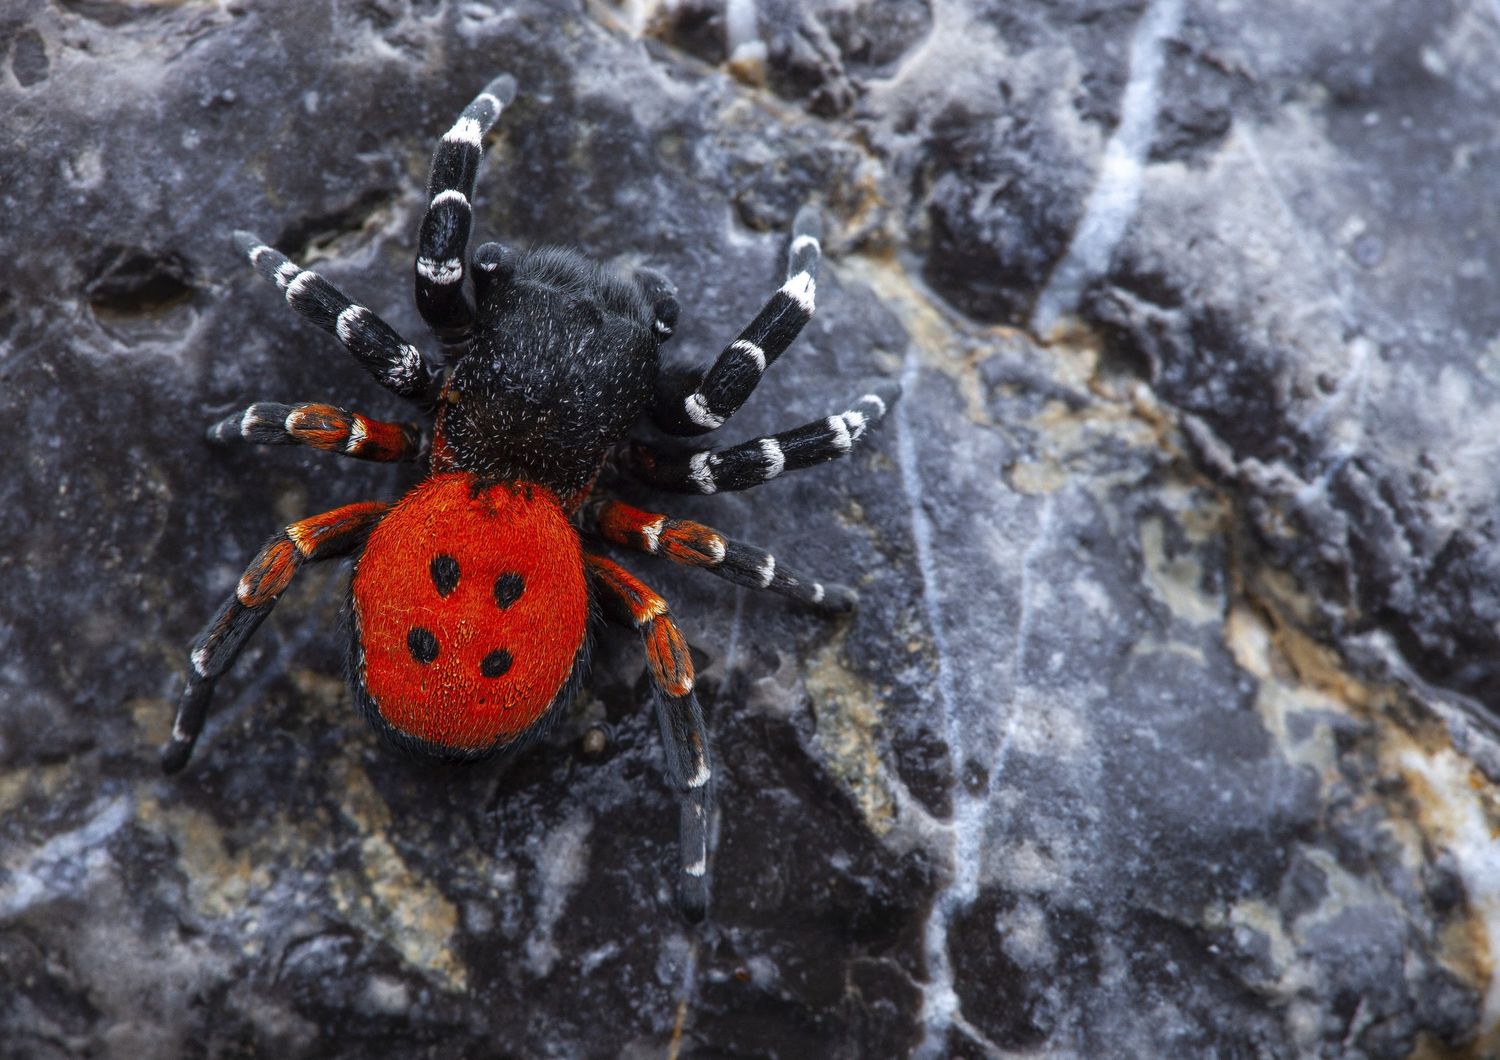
444, 571
495, 663
508, 589
422, 644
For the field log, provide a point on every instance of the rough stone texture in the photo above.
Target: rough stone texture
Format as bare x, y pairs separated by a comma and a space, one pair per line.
1166, 725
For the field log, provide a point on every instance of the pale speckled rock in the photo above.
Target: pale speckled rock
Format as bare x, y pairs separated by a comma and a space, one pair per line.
1163, 726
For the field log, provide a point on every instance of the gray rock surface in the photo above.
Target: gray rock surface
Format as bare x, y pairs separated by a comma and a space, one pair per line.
1166, 726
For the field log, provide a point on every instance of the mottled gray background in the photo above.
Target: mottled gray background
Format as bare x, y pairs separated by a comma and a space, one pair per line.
1166, 727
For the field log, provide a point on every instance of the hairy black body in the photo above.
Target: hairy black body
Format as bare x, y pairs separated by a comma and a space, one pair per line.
562, 362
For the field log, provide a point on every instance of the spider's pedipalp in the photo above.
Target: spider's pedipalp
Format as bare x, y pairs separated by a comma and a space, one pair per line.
444, 236
320, 426
494, 266
662, 294
695, 545
669, 670
691, 403
394, 362
336, 533
740, 467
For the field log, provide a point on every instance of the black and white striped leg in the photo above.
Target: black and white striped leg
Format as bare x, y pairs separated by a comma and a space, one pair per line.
333, 534
696, 401
695, 545
739, 467
320, 426
444, 237
394, 362
669, 668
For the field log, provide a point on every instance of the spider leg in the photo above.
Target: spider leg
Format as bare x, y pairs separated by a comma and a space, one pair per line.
695, 401
669, 667
339, 532
323, 427
394, 362
696, 545
444, 236
739, 467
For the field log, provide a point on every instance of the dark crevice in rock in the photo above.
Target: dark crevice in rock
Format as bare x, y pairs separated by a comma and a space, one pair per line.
28, 59
298, 239
131, 281
696, 28
116, 13
993, 234
803, 61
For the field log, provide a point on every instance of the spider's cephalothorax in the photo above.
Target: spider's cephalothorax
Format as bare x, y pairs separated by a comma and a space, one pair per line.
472, 593
561, 363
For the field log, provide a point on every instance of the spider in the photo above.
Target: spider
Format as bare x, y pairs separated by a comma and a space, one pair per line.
473, 593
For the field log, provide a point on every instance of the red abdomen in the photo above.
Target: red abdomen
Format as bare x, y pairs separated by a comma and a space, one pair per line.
470, 608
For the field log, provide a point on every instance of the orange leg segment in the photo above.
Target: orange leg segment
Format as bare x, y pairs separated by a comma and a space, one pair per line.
670, 668
666, 652
696, 545
320, 426
332, 534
